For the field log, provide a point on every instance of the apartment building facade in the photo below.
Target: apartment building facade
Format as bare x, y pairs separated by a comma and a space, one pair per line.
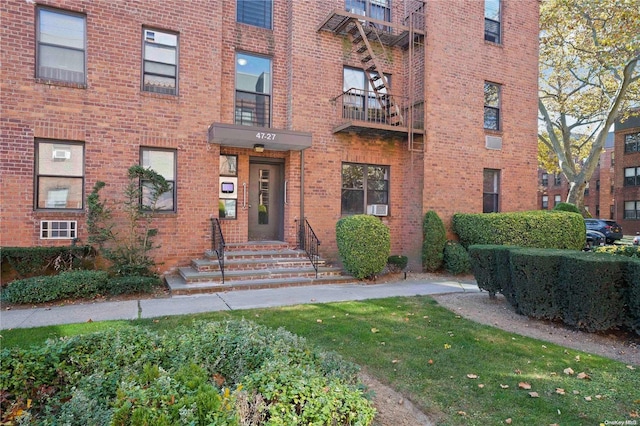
263, 114
627, 172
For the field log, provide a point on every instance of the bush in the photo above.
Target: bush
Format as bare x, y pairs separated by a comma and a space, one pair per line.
628, 251
202, 373
434, 237
491, 268
537, 229
456, 258
633, 278
33, 261
68, 284
567, 207
132, 284
364, 244
397, 263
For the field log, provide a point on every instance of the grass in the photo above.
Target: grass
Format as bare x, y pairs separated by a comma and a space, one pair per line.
431, 355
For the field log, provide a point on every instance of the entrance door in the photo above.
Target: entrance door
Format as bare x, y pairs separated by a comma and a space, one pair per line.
266, 212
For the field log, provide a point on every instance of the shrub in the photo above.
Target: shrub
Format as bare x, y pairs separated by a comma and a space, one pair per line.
628, 251
364, 244
32, 261
397, 263
537, 229
633, 279
132, 284
68, 284
434, 237
456, 258
491, 268
567, 207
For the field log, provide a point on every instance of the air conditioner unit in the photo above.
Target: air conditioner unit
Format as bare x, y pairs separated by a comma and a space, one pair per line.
493, 142
378, 209
61, 154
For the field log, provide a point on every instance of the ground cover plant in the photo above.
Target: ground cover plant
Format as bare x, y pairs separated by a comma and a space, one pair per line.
457, 371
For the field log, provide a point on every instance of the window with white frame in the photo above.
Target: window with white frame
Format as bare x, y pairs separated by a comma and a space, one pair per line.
59, 176
491, 106
545, 202
365, 189
491, 191
58, 229
632, 176
163, 162
557, 199
632, 209
255, 12
492, 26
375, 9
632, 142
160, 64
61, 46
253, 90
545, 179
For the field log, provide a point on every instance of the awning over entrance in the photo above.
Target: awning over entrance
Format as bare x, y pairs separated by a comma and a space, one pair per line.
248, 136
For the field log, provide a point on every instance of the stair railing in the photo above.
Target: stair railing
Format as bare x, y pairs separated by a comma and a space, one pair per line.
217, 243
309, 242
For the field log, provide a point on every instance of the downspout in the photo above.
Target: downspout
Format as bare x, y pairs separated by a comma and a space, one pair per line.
301, 185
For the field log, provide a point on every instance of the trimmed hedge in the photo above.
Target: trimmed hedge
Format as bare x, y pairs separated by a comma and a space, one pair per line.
33, 261
539, 229
364, 244
397, 263
434, 237
590, 291
566, 207
456, 258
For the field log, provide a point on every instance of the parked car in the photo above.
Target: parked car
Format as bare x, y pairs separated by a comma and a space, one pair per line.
594, 239
611, 230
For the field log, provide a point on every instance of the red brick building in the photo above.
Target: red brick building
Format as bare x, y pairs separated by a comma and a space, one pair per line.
261, 113
627, 172
599, 195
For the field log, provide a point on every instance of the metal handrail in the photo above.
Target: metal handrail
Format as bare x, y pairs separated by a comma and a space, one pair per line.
217, 243
309, 242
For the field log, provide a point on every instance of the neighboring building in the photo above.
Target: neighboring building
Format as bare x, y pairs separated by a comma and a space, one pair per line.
599, 194
261, 113
627, 182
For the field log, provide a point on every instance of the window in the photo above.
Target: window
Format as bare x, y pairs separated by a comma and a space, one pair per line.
59, 175
375, 9
61, 46
491, 106
255, 12
632, 176
586, 189
557, 179
491, 191
253, 90
545, 179
360, 102
58, 229
632, 209
597, 210
160, 65
557, 200
598, 185
492, 21
613, 159
632, 142
545, 202
364, 185
163, 162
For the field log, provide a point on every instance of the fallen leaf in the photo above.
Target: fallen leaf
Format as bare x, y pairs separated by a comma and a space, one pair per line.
430, 362
504, 386
577, 358
575, 392
524, 385
584, 376
517, 371
534, 394
598, 396
89, 320
462, 413
395, 361
569, 371
318, 320
630, 367
508, 421
480, 385
447, 346
374, 330
472, 376
587, 398
560, 391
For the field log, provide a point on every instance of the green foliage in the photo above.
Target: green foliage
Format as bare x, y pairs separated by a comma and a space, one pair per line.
397, 263
536, 229
566, 207
590, 291
135, 376
132, 284
128, 251
434, 238
32, 261
633, 276
66, 285
456, 258
364, 244
628, 251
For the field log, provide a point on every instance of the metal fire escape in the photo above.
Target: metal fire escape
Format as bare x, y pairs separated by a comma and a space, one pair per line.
401, 115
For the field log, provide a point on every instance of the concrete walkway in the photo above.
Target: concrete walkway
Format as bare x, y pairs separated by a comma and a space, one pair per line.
233, 300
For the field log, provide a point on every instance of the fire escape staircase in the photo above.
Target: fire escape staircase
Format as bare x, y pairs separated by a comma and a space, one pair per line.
373, 71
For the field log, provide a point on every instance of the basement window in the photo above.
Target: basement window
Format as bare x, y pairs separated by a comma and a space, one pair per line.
58, 229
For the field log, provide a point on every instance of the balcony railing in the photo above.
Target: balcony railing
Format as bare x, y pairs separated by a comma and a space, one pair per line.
359, 111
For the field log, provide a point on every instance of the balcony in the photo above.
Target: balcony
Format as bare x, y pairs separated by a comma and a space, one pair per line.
358, 111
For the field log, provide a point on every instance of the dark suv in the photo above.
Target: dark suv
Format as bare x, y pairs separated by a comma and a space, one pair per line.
611, 230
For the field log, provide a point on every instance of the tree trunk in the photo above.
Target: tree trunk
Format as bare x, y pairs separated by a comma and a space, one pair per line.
576, 196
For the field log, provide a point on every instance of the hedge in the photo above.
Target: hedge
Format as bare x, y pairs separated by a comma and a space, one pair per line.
590, 291
434, 238
34, 261
539, 229
364, 245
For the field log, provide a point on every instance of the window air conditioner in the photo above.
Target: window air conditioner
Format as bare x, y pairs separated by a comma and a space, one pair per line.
61, 154
378, 209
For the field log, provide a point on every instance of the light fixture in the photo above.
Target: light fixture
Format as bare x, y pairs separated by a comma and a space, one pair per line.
258, 147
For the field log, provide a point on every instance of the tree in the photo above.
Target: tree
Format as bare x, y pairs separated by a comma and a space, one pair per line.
589, 79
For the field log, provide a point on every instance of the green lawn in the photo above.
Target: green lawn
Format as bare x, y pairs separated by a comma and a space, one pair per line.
457, 371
